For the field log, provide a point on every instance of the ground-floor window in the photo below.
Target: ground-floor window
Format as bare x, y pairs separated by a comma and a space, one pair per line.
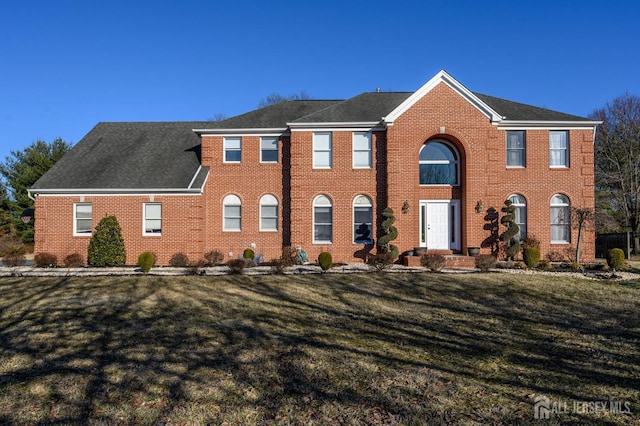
362, 220
322, 219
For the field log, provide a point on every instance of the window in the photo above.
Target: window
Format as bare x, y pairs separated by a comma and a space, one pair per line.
233, 150
361, 150
232, 213
152, 218
516, 151
438, 164
268, 213
560, 219
362, 220
322, 150
322, 220
559, 149
520, 205
269, 149
82, 219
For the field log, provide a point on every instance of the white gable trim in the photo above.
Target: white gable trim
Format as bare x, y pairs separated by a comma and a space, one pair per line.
442, 77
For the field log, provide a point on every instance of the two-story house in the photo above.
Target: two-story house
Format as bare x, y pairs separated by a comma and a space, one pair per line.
318, 174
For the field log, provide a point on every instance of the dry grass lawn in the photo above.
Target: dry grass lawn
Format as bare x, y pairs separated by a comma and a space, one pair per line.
317, 349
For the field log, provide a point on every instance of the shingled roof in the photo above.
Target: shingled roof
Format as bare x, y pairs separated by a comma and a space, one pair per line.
165, 156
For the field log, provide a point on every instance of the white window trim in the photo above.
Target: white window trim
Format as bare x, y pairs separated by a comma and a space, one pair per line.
277, 150
277, 217
568, 206
526, 213
524, 150
225, 203
225, 149
144, 221
330, 150
456, 162
75, 221
566, 150
354, 150
353, 219
313, 221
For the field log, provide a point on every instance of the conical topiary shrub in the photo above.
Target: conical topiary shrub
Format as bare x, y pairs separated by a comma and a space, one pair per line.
106, 247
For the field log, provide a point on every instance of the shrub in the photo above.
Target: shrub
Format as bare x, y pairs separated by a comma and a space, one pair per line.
146, 260
194, 268
555, 256
248, 254
106, 247
571, 253
289, 255
484, 262
14, 258
236, 266
545, 265
325, 260
45, 260
575, 266
390, 233
213, 257
615, 258
433, 262
278, 265
179, 260
508, 237
73, 260
531, 256
530, 241
380, 261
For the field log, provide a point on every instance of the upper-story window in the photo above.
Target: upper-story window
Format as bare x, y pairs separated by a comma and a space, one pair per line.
322, 150
152, 218
231, 213
439, 164
268, 213
269, 149
232, 149
361, 150
516, 148
82, 219
362, 220
559, 148
520, 204
560, 219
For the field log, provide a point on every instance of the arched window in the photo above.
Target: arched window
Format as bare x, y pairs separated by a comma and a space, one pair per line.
268, 213
560, 219
438, 164
322, 219
231, 213
520, 204
362, 220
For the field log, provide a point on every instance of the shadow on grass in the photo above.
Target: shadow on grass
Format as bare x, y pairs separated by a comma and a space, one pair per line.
371, 349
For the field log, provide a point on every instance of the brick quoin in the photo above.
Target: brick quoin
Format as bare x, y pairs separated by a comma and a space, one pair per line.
193, 223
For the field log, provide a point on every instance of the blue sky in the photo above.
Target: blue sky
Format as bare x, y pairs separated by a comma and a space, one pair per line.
67, 65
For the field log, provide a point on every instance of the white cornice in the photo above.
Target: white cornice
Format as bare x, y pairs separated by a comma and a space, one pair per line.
115, 191
244, 131
335, 125
537, 124
442, 77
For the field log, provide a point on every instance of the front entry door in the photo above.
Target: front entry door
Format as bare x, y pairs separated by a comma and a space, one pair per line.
440, 224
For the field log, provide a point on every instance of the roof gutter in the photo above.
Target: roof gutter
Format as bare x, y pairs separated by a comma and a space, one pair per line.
114, 191
341, 124
546, 124
244, 131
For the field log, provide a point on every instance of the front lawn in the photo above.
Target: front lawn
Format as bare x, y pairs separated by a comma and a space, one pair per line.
386, 348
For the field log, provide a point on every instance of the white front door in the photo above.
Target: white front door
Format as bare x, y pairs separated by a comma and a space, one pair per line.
440, 224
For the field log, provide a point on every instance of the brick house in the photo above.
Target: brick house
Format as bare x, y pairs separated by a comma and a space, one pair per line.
318, 173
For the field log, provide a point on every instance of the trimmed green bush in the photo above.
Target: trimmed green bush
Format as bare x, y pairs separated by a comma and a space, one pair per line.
146, 260
615, 258
179, 260
485, 262
248, 254
325, 260
433, 262
390, 233
531, 256
106, 247
73, 260
45, 260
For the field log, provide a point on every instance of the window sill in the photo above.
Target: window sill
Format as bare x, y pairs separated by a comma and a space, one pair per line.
231, 230
322, 242
561, 242
272, 231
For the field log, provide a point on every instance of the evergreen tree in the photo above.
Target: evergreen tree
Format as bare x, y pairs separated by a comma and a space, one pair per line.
106, 247
390, 234
508, 237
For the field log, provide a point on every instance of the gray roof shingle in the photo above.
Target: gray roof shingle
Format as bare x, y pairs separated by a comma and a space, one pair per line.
522, 112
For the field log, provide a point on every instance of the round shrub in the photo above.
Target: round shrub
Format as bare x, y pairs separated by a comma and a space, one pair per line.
615, 258
213, 257
325, 260
146, 260
433, 262
45, 260
248, 254
531, 256
485, 262
179, 260
236, 266
73, 260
